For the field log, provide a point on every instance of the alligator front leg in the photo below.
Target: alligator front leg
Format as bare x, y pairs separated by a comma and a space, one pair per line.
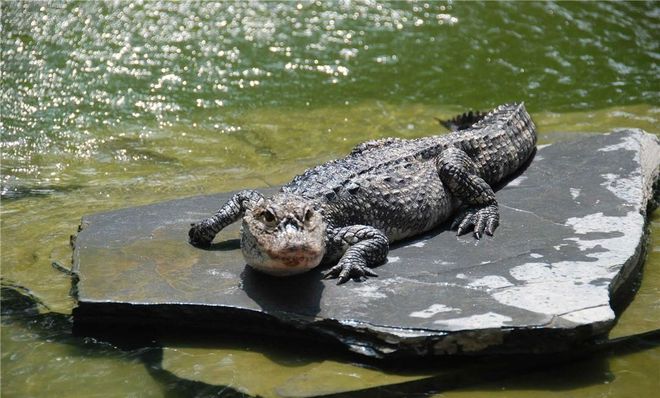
460, 175
201, 234
363, 247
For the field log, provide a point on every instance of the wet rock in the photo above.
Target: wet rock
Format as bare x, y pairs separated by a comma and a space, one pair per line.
572, 237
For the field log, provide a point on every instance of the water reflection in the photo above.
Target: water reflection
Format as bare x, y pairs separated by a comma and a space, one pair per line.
20, 308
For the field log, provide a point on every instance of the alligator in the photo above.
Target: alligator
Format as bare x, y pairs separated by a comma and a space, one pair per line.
347, 211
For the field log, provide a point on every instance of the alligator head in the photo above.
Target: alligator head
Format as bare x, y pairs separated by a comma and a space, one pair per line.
283, 235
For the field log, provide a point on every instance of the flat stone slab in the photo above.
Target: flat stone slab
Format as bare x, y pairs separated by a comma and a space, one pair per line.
572, 233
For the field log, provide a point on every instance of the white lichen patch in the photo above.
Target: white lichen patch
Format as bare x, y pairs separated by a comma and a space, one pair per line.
625, 188
370, 291
575, 192
490, 282
629, 187
536, 255
480, 321
363, 294
627, 143
572, 287
615, 249
553, 297
433, 310
220, 273
587, 315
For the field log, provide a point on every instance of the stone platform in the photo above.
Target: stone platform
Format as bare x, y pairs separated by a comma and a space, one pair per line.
572, 234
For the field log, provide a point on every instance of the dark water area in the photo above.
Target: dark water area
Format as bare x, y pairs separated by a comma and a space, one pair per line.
112, 104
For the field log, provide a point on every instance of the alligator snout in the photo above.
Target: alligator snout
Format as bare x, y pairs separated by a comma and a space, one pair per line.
290, 224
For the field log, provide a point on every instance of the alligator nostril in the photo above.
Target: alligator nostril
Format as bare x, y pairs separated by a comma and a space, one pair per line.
289, 224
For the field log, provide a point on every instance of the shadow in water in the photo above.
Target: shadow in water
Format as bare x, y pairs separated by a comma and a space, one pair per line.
586, 366
583, 367
20, 306
178, 387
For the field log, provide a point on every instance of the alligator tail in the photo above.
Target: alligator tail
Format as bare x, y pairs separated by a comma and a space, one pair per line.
463, 121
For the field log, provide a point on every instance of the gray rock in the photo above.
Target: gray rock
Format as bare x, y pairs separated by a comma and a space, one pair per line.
572, 237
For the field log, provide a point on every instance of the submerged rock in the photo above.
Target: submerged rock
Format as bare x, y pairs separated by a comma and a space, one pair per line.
571, 240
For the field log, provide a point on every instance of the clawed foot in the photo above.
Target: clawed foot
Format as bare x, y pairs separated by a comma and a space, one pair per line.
481, 219
348, 270
200, 235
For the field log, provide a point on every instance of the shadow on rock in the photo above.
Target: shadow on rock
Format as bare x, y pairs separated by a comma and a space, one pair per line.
225, 245
298, 294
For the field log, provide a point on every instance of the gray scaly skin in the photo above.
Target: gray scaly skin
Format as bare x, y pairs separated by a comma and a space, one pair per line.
347, 211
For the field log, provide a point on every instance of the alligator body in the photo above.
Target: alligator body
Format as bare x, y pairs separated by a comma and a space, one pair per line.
347, 211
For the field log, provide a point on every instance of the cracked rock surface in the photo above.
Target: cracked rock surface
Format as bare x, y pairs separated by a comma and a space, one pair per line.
572, 235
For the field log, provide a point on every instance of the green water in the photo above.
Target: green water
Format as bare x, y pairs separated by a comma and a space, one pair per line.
109, 105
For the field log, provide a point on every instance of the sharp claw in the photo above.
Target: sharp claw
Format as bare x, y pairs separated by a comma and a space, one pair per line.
490, 229
480, 225
463, 228
479, 220
347, 272
332, 272
343, 279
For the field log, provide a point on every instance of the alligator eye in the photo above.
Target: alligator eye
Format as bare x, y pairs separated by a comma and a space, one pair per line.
268, 216
308, 214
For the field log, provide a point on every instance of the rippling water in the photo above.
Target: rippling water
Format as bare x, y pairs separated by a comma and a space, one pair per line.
111, 104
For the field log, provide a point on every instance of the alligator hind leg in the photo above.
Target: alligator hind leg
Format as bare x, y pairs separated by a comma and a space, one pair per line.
362, 247
201, 234
460, 175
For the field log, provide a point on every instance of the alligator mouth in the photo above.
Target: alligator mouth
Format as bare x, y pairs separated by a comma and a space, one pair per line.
289, 262
304, 262
285, 266
295, 257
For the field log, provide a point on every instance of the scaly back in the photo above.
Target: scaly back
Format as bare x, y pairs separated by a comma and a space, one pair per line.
499, 143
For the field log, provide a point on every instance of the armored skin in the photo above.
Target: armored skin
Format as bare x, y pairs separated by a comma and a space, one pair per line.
347, 211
